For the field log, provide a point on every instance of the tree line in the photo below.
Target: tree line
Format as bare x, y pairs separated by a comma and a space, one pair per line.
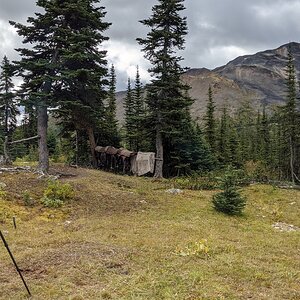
68, 99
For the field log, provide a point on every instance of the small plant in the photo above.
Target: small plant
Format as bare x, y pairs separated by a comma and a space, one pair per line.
195, 182
56, 194
229, 201
51, 203
2, 194
28, 200
199, 249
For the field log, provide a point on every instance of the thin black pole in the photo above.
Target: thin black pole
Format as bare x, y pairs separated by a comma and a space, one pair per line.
15, 223
11, 256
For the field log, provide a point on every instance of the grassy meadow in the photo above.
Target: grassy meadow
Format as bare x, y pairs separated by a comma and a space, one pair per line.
124, 237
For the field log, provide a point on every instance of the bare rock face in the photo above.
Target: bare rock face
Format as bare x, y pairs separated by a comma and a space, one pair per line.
263, 73
227, 92
258, 79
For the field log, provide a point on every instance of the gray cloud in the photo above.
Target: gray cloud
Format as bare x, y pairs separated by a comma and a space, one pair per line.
219, 30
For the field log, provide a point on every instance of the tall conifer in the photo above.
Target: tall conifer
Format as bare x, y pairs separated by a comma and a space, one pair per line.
65, 59
167, 99
129, 116
111, 114
210, 123
8, 106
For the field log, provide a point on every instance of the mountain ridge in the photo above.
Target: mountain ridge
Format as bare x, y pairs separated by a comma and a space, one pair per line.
256, 78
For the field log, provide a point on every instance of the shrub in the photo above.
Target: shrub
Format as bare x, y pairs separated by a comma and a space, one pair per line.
52, 203
229, 201
3, 194
195, 183
57, 193
28, 200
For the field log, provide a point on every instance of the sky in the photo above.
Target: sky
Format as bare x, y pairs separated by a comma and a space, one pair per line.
219, 30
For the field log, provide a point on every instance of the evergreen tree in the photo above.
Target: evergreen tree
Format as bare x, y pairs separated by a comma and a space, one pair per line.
265, 139
65, 59
82, 82
210, 123
8, 105
246, 125
229, 201
129, 117
38, 64
223, 144
167, 99
290, 115
111, 115
139, 115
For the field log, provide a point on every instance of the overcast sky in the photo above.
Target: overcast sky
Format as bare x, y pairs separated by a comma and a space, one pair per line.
219, 30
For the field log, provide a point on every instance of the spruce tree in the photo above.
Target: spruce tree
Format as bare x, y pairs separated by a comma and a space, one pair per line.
111, 115
38, 64
139, 117
290, 115
65, 68
8, 105
229, 201
223, 143
210, 123
129, 117
167, 98
81, 87
265, 138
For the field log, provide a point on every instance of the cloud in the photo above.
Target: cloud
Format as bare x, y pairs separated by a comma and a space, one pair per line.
126, 57
219, 30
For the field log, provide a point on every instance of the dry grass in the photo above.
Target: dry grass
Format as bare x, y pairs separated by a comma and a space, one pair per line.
120, 237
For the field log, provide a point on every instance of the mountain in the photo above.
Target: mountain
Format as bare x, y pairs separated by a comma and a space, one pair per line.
258, 79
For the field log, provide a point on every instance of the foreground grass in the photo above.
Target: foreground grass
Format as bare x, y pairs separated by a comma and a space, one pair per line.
120, 239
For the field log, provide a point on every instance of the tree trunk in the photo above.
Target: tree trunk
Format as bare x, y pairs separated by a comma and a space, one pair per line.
292, 161
7, 160
92, 141
159, 154
42, 121
42, 126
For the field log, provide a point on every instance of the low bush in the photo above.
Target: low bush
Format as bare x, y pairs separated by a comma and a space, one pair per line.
195, 183
56, 194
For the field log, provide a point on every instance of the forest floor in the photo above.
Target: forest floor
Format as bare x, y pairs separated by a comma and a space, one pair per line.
123, 237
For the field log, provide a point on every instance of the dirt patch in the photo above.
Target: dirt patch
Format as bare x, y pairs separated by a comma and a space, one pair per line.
75, 255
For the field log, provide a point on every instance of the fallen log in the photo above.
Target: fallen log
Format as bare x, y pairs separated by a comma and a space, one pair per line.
15, 169
25, 140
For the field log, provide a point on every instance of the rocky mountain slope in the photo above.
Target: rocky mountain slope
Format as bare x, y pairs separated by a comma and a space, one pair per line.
258, 78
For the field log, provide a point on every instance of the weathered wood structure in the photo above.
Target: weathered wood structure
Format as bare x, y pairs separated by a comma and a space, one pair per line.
124, 161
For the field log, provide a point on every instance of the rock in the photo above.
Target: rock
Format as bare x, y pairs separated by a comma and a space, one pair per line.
2, 185
174, 191
285, 227
67, 223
